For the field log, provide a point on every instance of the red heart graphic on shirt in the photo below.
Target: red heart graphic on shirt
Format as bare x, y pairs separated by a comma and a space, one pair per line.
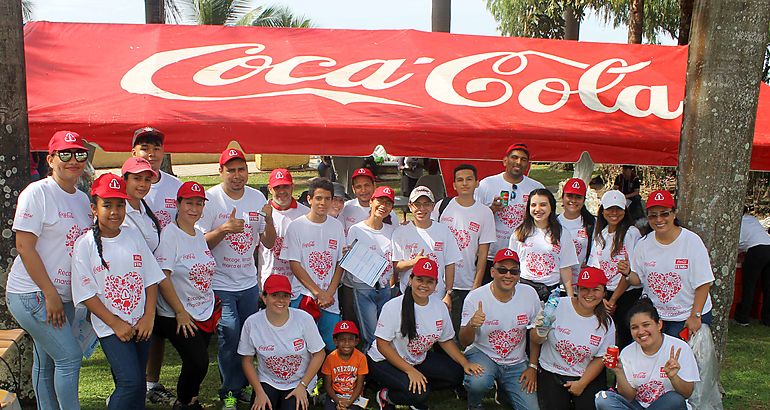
650, 391
462, 236
556, 248
540, 264
512, 215
124, 292
240, 242
610, 269
664, 285
503, 342
72, 236
320, 263
571, 353
578, 247
420, 344
164, 218
201, 274
284, 367
277, 247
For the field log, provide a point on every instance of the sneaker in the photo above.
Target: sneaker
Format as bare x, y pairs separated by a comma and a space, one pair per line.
382, 400
160, 395
229, 402
244, 398
741, 323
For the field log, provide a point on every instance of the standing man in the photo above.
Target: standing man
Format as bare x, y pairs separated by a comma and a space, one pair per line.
506, 194
313, 248
473, 226
236, 217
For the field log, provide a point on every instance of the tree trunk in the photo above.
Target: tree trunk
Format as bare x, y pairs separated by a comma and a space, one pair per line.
154, 12
685, 19
636, 22
441, 15
725, 62
14, 159
571, 23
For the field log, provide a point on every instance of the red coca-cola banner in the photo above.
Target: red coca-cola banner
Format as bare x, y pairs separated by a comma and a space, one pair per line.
318, 91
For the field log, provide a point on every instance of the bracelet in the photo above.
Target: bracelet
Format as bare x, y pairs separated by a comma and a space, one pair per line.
302, 382
532, 365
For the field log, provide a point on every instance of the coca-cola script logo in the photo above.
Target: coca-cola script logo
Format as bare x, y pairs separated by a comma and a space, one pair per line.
362, 81
284, 366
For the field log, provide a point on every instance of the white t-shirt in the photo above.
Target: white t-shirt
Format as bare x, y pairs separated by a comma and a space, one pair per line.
270, 261
192, 269
645, 373
433, 325
510, 217
574, 341
471, 226
503, 336
283, 353
541, 260
58, 219
601, 257
162, 198
318, 248
121, 289
236, 269
671, 273
139, 220
579, 239
438, 244
353, 213
378, 241
752, 233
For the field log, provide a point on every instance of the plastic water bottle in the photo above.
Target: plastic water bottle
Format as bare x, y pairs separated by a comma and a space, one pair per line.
549, 312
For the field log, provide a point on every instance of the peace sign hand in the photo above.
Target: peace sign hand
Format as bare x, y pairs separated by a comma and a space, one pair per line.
672, 365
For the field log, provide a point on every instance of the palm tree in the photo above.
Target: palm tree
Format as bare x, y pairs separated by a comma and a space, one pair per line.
240, 13
26, 10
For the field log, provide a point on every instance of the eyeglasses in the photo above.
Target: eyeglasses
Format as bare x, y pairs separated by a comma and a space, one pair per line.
422, 205
66, 156
664, 215
505, 271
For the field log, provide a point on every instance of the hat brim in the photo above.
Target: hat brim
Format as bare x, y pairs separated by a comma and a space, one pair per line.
280, 183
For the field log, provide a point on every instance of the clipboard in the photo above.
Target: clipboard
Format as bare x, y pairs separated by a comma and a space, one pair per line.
365, 265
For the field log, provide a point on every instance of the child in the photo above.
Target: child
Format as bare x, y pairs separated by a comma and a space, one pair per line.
115, 276
344, 369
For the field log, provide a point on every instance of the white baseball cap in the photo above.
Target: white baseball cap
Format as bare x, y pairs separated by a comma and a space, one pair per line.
419, 191
613, 198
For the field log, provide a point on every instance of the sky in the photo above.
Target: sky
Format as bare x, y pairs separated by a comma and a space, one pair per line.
468, 16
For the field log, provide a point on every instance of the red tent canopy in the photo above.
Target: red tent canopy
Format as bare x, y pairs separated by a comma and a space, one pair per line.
318, 91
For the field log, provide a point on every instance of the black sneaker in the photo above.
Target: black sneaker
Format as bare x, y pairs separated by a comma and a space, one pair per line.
160, 395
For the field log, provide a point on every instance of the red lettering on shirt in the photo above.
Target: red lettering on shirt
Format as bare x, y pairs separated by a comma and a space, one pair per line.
332, 244
137, 261
439, 246
439, 325
522, 320
595, 340
682, 264
298, 344
473, 226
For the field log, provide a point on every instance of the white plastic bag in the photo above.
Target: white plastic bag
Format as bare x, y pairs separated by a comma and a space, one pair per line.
706, 395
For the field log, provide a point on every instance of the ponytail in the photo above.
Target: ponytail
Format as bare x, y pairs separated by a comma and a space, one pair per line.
408, 321
589, 223
152, 216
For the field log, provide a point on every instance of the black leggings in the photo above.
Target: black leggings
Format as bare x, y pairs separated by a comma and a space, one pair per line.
551, 393
278, 399
194, 354
756, 270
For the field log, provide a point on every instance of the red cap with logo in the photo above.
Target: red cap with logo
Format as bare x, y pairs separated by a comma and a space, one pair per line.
345, 326
384, 192
230, 154
137, 165
362, 172
575, 186
506, 254
280, 176
109, 185
191, 189
517, 146
591, 277
277, 283
662, 198
63, 140
425, 267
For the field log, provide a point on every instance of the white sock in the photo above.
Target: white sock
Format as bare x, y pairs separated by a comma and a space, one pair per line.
152, 385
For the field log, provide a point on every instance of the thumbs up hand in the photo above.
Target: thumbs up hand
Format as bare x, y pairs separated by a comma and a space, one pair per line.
478, 318
624, 267
233, 224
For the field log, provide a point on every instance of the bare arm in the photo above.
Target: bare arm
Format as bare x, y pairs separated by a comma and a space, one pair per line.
25, 245
122, 329
184, 321
481, 264
304, 278
268, 237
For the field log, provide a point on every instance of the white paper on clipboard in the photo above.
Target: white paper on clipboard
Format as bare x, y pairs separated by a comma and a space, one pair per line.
366, 265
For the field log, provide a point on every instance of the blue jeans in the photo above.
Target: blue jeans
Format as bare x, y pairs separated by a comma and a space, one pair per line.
674, 328
325, 324
610, 400
368, 305
507, 377
128, 361
56, 352
236, 308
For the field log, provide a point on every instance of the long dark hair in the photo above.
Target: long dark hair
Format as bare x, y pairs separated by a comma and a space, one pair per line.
620, 232
97, 232
643, 305
589, 222
408, 320
602, 315
527, 228
148, 211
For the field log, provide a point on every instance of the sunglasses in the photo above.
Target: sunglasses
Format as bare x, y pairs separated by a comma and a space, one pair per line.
664, 215
66, 156
505, 271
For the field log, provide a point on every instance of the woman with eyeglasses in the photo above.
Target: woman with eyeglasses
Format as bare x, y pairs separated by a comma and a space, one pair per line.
50, 215
673, 266
545, 248
577, 221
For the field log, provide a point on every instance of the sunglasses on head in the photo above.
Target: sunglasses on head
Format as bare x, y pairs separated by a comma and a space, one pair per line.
66, 156
506, 271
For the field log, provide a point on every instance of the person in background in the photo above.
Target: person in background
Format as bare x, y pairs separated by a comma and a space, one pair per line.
629, 184
326, 169
344, 369
755, 241
412, 168
338, 201
577, 221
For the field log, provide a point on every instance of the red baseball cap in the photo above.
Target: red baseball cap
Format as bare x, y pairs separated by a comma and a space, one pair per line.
149, 131
137, 165
280, 176
517, 146
62, 140
345, 326
277, 283
575, 186
230, 154
384, 192
591, 277
425, 267
191, 189
506, 254
362, 172
662, 198
109, 185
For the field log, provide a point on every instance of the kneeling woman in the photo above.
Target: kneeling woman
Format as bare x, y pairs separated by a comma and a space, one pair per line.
186, 314
656, 371
571, 370
399, 358
288, 348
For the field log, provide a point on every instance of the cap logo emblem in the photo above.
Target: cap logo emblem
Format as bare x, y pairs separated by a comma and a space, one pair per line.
658, 196
233, 153
344, 326
69, 137
585, 275
426, 265
279, 175
508, 252
387, 191
114, 184
195, 188
576, 184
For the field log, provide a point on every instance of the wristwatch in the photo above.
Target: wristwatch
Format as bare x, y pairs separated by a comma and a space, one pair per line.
698, 314
532, 365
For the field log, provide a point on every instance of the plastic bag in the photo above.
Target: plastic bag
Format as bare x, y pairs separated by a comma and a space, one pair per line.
706, 395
